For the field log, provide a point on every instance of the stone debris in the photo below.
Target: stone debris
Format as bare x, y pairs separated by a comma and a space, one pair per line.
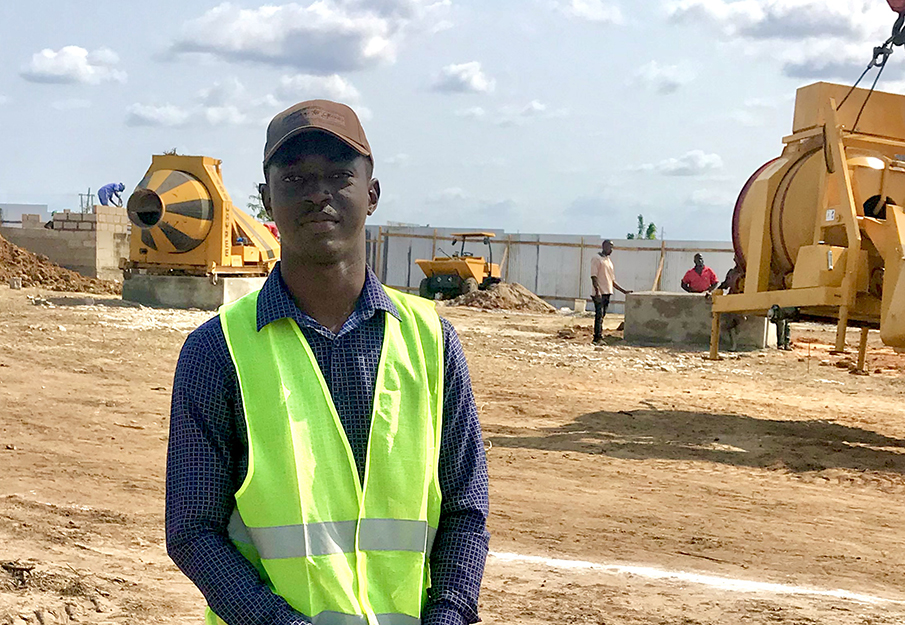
504, 296
39, 271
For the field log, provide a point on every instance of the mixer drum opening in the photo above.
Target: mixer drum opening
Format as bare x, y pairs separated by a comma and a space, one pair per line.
145, 208
173, 210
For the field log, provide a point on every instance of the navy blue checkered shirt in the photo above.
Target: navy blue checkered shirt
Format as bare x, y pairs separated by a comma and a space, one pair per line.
208, 458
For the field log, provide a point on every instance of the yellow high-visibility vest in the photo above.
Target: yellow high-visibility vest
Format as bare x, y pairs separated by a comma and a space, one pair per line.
338, 551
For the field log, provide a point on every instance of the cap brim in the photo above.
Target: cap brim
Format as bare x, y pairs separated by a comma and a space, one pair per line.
360, 149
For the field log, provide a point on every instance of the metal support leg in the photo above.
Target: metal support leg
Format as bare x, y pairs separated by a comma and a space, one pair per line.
840, 330
862, 349
715, 337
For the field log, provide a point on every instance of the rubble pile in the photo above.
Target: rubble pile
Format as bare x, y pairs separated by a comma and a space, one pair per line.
504, 296
39, 271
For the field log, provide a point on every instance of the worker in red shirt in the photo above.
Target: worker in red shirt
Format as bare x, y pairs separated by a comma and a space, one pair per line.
700, 278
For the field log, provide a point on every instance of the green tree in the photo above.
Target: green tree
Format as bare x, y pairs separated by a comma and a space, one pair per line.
645, 230
256, 205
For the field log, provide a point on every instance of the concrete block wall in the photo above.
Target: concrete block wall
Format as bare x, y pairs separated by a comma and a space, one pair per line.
32, 221
112, 219
684, 319
90, 243
73, 249
103, 219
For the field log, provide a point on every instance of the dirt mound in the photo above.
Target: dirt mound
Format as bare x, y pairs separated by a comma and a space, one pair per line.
504, 296
39, 271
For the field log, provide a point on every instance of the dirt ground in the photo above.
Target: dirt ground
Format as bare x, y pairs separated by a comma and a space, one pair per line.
629, 485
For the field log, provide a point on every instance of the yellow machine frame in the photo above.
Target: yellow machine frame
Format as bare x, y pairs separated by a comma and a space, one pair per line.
830, 281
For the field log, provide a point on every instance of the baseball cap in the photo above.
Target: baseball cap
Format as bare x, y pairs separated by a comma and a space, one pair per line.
332, 118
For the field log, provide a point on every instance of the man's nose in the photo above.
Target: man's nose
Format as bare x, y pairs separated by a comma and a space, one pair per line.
320, 193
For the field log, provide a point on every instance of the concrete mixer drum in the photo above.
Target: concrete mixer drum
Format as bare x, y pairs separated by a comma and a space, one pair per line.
184, 223
173, 210
821, 227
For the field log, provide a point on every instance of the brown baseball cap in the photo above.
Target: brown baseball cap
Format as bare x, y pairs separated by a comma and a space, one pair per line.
333, 118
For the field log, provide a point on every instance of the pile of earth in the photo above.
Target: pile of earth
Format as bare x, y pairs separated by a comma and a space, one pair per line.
39, 271
504, 296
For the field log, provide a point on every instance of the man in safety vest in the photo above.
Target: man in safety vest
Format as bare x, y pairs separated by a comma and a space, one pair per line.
325, 459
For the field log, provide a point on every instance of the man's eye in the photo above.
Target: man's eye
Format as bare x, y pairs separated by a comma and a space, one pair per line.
342, 175
292, 178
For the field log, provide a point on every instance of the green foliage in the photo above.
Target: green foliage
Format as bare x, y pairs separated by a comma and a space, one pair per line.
645, 230
256, 206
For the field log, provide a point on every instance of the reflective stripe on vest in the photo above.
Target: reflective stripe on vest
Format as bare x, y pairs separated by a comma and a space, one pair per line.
320, 539
339, 551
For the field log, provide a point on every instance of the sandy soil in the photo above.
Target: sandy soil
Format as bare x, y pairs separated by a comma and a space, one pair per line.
629, 485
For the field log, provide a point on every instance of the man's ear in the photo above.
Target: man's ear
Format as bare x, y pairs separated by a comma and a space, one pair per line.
264, 190
373, 195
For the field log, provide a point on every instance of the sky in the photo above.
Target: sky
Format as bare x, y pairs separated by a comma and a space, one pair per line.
546, 116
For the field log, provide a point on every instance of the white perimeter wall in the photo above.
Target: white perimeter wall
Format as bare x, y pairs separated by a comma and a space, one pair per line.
555, 267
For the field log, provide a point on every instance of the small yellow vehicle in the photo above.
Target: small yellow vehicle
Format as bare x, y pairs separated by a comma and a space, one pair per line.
463, 272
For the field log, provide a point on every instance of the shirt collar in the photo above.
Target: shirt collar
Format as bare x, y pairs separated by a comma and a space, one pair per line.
276, 302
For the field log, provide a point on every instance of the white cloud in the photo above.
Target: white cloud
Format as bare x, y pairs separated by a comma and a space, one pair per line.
693, 163
72, 64
307, 87
533, 110
514, 115
228, 102
824, 39
664, 79
441, 26
463, 78
592, 11
322, 37
149, 115
229, 115
71, 104
452, 194
3, 100
713, 197
475, 112
400, 159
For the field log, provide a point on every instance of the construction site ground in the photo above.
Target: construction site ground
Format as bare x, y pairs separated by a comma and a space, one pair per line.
629, 485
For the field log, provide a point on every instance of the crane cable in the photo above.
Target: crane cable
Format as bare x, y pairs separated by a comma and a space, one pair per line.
881, 56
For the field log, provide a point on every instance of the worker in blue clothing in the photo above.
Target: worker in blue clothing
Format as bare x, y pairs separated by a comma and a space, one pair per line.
342, 355
110, 193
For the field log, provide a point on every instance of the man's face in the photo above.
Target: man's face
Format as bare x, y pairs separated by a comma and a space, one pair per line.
319, 194
607, 248
698, 261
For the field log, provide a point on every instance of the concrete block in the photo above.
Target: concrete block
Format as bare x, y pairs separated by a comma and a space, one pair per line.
187, 291
75, 216
32, 222
68, 225
84, 225
89, 217
684, 319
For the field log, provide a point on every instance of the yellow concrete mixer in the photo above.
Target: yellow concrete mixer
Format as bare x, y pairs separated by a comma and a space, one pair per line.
821, 228
184, 223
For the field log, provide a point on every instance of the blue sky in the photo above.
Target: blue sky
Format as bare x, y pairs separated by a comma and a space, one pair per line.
556, 116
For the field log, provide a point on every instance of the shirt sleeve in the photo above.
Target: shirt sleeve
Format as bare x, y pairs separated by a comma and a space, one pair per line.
201, 482
460, 549
712, 278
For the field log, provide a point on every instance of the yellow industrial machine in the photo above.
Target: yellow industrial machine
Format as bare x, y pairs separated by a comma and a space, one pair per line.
451, 276
184, 223
821, 229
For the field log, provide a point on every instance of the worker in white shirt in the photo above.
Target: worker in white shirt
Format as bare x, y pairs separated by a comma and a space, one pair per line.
603, 277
